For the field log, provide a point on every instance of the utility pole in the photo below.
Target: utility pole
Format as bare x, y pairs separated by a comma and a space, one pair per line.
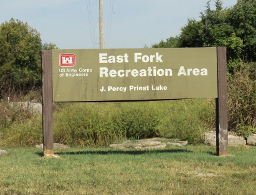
101, 25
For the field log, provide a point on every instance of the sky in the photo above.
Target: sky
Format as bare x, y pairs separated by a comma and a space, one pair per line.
74, 24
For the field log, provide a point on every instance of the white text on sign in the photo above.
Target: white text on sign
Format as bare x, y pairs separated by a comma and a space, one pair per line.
104, 58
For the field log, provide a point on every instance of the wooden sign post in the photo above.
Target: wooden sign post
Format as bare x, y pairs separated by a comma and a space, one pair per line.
221, 104
47, 103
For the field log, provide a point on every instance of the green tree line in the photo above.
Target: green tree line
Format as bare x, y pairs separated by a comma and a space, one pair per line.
20, 57
234, 28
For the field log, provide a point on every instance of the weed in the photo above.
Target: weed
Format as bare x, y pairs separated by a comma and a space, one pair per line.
242, 98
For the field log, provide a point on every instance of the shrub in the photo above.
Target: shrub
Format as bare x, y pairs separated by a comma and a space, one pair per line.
85, 124
137, 120
242, 99
188, 119
99, 124
10, 114
246, 131
233, 66
18, 127
23, 133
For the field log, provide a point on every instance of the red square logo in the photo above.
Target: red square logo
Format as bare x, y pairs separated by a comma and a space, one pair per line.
67, 60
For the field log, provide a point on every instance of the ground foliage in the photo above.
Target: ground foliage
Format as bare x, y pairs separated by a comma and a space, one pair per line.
242, 100
100, 124
173, 170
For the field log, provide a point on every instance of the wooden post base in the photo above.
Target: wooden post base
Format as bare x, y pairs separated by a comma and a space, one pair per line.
50, 154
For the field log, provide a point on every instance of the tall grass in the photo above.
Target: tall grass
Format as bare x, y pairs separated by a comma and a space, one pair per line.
188, 119
86, 124
99, 124
242, 100
18, 127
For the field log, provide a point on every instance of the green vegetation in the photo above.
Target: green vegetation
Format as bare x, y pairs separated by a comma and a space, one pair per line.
193, 169
174, 170
20, 58
232, 27
20, 48
242, 100
99, 124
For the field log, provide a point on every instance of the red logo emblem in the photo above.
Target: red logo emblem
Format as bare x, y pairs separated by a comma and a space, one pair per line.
67, 60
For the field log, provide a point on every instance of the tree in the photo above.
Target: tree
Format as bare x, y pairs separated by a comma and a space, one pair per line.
242, 17
49, 46
169, 43
20, 56
190, 35
214, 29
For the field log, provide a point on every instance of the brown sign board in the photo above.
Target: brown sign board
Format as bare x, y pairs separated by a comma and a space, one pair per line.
134, 74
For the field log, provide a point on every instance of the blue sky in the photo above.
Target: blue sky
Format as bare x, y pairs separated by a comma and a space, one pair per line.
73, 24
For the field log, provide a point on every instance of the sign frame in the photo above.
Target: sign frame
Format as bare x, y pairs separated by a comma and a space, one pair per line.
221, 103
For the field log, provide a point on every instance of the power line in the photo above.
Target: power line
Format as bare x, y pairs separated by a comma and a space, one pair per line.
110, 16
89, 14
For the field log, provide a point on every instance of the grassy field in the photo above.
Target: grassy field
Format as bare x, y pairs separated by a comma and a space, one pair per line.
173, 170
